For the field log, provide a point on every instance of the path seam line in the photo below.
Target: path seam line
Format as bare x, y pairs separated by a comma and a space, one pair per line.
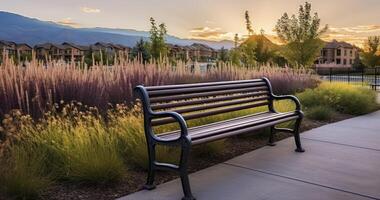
348, 145
300, 180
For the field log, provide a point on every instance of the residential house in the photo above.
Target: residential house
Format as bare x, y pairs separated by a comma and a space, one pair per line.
43, 51
179, 52
57, 52
74, 52
24, 51
337, 54
8, 48
120, 49
202, 53
106, 48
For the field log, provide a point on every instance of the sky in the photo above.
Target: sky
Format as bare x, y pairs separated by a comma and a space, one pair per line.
349, 20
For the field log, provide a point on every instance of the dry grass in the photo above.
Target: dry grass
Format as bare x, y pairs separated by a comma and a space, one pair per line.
35, 88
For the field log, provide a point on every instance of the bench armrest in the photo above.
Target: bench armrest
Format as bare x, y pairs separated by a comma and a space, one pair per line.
289, 97
181, 121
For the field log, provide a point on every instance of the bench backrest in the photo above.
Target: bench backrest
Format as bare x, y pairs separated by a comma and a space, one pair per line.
199, 100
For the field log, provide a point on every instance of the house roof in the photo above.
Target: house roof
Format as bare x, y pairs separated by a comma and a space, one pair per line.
23, 44
80, 47
102, 44
58, 46
7, 43
43, 46
202, 47
335, 44
118, 46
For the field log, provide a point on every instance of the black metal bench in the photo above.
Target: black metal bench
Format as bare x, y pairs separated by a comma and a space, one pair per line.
179, 103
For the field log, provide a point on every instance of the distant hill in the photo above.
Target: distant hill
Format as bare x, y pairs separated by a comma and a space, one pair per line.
22, 29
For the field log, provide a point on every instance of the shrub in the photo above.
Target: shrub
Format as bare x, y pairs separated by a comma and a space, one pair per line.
77, 147
24, 176
344, 98
128, 126
320, 113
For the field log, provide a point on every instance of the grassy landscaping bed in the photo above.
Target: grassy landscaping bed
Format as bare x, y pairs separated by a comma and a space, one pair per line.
79, 152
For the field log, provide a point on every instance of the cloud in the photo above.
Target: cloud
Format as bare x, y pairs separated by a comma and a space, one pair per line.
68, 22
355, 34
90, 10
357, 29
207, 33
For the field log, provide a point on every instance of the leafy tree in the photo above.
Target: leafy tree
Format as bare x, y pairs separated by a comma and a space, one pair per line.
248, 24
371, 57
157, 39
141, 50
301, 35
223, 55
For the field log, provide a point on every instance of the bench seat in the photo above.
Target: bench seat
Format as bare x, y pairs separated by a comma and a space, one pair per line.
227, 128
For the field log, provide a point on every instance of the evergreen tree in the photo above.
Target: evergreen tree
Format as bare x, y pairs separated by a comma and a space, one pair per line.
248, 24
223, 55
236, 40
247, 54
141, 50
235, 52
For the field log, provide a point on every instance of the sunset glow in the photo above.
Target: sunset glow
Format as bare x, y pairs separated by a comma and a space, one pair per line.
209, 20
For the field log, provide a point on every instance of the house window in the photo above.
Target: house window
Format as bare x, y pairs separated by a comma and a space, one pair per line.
345, 52
350, 61
338, 52
351, 53
338, 61
344, 62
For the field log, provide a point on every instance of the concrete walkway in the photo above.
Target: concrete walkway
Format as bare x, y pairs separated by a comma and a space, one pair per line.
341, 162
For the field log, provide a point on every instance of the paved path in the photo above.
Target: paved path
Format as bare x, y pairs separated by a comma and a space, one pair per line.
341, 162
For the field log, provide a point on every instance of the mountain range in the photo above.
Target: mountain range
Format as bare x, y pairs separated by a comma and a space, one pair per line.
21, 29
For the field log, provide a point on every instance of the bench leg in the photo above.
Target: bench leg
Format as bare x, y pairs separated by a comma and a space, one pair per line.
297, 138
271, 137
151, 171
185, 151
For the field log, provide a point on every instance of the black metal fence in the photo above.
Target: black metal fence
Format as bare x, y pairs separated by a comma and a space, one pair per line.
365, 76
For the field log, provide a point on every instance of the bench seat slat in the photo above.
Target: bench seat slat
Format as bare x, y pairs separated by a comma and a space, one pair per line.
220, 104
245, 118
163, 121
228, 126
241, 131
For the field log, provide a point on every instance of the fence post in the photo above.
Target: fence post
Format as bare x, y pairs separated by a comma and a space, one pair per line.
348, 75
375, 78
362, 76
330, 74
